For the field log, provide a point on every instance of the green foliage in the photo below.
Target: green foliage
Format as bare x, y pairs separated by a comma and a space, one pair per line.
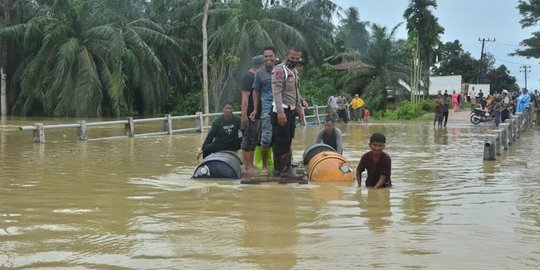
389, 115
455, 61
82, 61
353, 32
408, 111
317, 84
426, 106
530, 10
187, 104
500, 79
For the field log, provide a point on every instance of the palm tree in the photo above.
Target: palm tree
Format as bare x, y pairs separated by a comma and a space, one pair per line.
314, 20
424, 28
80, 62
386, 56
239, 31
353, 32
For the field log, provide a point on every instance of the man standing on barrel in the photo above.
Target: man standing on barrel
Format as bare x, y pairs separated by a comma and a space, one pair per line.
287, 104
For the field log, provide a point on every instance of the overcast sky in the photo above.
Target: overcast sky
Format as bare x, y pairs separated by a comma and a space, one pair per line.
467, 21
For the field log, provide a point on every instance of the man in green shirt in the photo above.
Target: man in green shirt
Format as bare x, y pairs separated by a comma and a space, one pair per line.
224, 133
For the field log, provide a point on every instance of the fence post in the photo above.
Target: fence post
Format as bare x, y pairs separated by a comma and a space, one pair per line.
39, 133
167, 125
200, 120
130, 127
490, 152
317, 118
515, 120
504, 136
81, 131
529, 116
498, 142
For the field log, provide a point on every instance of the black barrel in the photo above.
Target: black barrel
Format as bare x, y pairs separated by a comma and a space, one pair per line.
315, 149
224, 165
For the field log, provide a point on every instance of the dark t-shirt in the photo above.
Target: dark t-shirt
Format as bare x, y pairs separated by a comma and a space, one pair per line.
223, 131
376, 169
330, 139
247, 85
445, 105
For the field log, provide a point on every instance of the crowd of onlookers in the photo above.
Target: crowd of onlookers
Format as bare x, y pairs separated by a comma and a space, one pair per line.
500, 104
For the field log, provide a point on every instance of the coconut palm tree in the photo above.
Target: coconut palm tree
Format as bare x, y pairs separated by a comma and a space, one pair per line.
314, 20
352, 32
424, 28
386, 55
238, 31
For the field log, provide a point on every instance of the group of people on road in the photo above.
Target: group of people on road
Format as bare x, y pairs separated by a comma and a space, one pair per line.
338, 108
499, 105
271, 101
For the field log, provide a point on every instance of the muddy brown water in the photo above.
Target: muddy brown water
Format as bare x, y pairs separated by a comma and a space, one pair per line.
130, 204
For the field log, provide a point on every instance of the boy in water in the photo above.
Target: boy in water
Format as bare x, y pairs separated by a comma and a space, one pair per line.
377, 163
367, 114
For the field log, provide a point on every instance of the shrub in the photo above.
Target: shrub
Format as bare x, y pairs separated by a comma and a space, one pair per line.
317, 84
186, 104
426, 105
408, 111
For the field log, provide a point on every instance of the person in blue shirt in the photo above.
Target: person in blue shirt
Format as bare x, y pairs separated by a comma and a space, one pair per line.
262, 102
523, 101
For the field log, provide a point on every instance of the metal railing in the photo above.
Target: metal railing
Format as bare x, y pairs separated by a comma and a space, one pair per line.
82, 126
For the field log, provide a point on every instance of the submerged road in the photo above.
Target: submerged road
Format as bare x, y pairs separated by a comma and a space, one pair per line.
131, 204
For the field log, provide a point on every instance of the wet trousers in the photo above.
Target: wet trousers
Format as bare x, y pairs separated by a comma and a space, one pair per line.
282, 139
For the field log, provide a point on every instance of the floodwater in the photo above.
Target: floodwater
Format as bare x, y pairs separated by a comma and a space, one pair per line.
130, 204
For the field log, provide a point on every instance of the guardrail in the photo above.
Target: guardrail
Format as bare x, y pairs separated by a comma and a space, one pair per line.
508, 132
82, 126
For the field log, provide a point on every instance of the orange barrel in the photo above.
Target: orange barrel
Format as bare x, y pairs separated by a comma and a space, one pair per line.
224, 165
329, 166
315, 149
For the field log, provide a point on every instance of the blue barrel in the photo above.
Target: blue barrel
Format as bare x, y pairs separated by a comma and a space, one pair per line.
315, 149
222, 165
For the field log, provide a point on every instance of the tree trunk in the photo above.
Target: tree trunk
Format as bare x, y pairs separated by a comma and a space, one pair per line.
205, 56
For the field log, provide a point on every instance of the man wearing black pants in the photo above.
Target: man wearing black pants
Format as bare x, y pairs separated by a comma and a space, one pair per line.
445, 109
287, 104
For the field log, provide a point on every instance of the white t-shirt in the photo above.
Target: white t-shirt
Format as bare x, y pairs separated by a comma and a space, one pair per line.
332, 102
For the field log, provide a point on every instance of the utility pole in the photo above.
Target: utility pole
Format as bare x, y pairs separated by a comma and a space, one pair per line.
526, 69
3, 62
483, 40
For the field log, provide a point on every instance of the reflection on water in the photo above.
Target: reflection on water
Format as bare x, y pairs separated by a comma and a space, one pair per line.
130, 204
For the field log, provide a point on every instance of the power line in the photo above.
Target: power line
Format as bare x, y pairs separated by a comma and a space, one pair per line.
483, 40
514, 63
